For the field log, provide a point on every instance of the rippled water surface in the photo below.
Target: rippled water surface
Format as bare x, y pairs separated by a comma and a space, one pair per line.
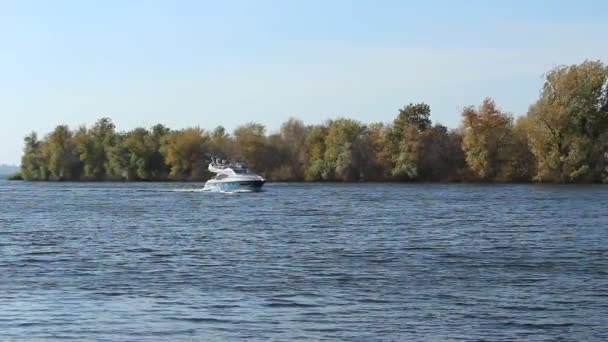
163, 261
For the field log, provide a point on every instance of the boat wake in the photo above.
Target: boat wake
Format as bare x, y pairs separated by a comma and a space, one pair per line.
189, 190
236, 191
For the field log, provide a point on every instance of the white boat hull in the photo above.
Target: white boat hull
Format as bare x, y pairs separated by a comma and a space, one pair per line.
234, 185
233, 178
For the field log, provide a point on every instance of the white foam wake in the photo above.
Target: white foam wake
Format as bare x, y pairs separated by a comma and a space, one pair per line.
214, 191
190, 190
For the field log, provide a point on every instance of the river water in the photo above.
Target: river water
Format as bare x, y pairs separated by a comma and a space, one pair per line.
359, 262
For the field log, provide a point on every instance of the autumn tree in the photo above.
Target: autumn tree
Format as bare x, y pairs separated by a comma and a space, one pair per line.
487, 140
186, 153
440, 155
563, 138
293, 140
382, 164
252, 145
364, 155
522, 164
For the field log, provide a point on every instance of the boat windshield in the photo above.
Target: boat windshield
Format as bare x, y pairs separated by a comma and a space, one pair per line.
241, 171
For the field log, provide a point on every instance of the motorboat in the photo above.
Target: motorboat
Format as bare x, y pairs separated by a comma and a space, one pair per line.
232, 177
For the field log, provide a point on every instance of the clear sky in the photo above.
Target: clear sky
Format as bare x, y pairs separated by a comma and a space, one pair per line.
206, 63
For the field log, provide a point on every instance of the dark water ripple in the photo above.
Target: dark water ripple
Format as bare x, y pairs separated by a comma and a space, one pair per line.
152, 262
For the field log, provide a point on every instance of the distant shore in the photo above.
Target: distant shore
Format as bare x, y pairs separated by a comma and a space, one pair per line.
563, 138
12, 177
477, 182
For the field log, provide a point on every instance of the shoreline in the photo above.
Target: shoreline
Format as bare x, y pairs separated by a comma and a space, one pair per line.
313, 182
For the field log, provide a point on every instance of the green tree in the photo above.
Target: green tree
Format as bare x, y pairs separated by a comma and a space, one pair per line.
93, 147
404, 145
134, 155
33, 164
60, 154
416, 115
401, 150
157, 167
317, 168
341, 136
569, 124
120, 162
408, 154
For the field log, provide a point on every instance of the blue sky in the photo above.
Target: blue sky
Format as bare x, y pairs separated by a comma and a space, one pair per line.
206, 63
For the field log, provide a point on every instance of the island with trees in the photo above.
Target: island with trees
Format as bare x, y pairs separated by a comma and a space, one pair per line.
563, 138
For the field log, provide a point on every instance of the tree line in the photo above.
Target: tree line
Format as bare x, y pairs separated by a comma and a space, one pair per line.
562, 138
